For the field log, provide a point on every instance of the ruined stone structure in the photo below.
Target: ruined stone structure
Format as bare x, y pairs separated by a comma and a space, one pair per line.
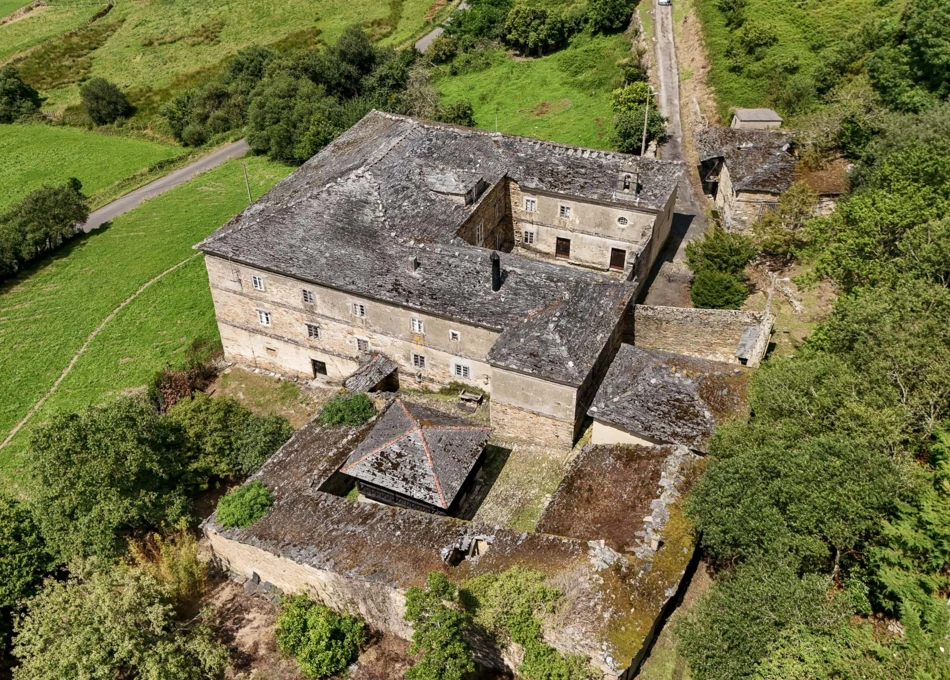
383, 242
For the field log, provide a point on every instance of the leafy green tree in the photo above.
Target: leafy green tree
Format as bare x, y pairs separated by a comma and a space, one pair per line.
323, 641
633, 96
245, 505
438, 631
347, 409
17, 99
114, 622
714, 289
104, 102
24, 559
780, 233
443, 49
534, 30
628, 128
482, 20
608, 16
103, 473
720, 250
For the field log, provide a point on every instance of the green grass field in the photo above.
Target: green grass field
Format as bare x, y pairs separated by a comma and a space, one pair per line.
47, 314
43, 24
9, 6
564, 97
804, 29
31, 155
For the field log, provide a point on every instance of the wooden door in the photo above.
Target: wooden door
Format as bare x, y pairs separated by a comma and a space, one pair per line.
563, 248
618, 258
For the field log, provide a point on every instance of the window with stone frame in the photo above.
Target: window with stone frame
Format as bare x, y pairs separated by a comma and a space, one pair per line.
257, 282
528, 237
362, 345
455, 336
417, 325
463, 371
359, 309
564, 211
263, 317
418, 361
313, 331
307, 296
530, 205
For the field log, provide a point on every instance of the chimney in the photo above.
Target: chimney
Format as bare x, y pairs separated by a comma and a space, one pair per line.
495, 272
413, 264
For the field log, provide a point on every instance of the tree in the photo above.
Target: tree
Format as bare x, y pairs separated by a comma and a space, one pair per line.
104, 102
608, 16
628, 128
244, 506
323, 641
780, 233
533, 30
457, 113
102, 473
720, 250
17, 99
482, 20
442, 49
438, 631
714, 289
632, 97
24, 559
115, 622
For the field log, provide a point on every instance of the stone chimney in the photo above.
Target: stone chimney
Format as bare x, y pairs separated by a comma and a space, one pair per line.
413, 264
495, 272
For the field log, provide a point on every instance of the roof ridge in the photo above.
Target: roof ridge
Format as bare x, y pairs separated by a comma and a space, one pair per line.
435, 476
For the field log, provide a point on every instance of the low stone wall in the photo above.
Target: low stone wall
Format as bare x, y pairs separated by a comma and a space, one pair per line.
705, 333
518, 423
379, 605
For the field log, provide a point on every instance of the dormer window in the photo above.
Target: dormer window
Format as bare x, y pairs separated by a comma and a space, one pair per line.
626, 182
564, 211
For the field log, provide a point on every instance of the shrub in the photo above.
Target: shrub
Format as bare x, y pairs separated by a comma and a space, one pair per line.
323, 642
721, 251
347, 409
628, 129
24, 559
443, 49
174, 563
632, 96
17, 99
733, 11
483, 20
534, 30
457, 113
713, 289
244, 506
438, 631
116, 622
104, 102
607, 16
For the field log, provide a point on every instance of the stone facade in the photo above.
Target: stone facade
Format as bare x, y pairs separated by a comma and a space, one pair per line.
740, 210
543, 430
705, 333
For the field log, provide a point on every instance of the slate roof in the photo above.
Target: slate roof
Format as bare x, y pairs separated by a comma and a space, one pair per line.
392, 187
418, 452
669, 398
370, 374
758, 160
758, 115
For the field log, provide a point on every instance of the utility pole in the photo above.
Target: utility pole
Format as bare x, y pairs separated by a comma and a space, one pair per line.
247, 184
646, 118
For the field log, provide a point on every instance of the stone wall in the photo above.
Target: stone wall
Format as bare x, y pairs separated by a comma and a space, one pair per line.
518, 423
705, 333
492, 212
740, 210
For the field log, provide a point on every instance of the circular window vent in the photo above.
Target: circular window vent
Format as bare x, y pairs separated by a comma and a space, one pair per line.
622, 221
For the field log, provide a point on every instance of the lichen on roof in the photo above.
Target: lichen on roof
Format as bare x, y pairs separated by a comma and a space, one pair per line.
669, 398
757, 160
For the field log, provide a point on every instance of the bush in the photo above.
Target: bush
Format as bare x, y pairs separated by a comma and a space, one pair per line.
347, 409
608, 16
534, 30
117, 622
174, 563
104, 102
457, 113
244, 506
483, 20
628, 129
712, 289
721, 251
24, 560
442, 49
438, 631
17, 99
631, 97
323, 642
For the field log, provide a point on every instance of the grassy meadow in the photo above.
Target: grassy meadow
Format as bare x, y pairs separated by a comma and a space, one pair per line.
804, 30
33, 155
564, 96
10, 6
43, 24
47, 314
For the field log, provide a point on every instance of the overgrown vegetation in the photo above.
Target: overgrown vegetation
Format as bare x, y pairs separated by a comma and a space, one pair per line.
718, 261
438, 631
245, 505
322, 641
17, 99
347, 408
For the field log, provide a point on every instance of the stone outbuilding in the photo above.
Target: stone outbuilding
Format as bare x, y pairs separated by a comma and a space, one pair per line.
756, 119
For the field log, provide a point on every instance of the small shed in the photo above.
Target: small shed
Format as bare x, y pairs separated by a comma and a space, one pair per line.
756, 119
417, 457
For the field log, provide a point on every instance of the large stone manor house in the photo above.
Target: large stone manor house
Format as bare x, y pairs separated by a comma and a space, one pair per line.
507, 263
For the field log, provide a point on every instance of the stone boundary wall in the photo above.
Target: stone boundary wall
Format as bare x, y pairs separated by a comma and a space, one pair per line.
705, 333
519, 423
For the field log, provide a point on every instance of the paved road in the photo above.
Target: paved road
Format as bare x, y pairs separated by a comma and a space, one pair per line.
670, 284
423, 43
134, 198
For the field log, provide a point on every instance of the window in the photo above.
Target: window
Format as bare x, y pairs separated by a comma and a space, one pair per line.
263, 317
618, 259
455, 336
417, 325
480, 233
307, 296
257, 282
623, 221
362, 344
359, 309
564, 211
529, 238
530, 205
462, 371
319, 367
626, 182
313, 331
418, 361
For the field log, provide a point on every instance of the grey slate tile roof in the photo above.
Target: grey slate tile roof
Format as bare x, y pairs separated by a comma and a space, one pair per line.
758, 115
758, 160
370, 374
391, 188
669, 398
418, 452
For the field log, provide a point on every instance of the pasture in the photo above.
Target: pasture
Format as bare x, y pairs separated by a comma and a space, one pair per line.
47, 313
564, 97
33, 155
